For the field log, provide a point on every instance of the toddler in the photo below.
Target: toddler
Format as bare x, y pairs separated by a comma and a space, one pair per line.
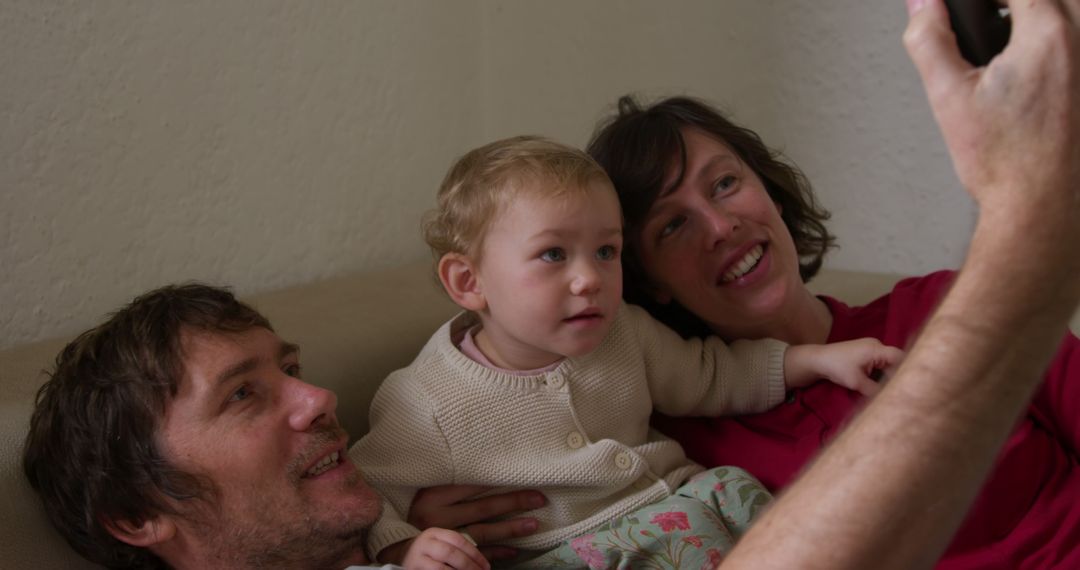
547, 381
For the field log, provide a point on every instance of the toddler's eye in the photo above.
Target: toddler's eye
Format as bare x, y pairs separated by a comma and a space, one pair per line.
554, 254
607, 253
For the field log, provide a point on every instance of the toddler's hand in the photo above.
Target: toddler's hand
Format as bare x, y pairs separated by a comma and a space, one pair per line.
850, 364
439, 548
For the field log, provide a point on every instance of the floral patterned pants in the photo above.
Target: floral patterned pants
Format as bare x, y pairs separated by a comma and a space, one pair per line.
693, 528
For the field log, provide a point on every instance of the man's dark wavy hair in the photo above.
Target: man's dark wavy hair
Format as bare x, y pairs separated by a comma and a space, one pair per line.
92, 452
638, 146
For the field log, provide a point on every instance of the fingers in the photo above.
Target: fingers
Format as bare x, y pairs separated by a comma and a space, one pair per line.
442, 548
885, 360
447, 494
447, 507
497, 552
866, 386
503, 504
442, 506
486, 533
931, 44
890, 356
870, 357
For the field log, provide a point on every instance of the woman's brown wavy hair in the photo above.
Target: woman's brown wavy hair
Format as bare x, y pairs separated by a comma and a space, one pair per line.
638, 146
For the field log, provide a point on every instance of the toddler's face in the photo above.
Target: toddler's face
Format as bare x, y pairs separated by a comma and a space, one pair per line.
551, 276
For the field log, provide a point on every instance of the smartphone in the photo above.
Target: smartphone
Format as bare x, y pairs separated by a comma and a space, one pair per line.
982, 28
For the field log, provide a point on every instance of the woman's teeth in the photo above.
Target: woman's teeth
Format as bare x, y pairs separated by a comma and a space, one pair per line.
744, 265
326, 464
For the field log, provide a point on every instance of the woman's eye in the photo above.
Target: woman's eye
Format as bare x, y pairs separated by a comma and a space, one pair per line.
671, 226
554, 254
241, 393
607, 253
725, 184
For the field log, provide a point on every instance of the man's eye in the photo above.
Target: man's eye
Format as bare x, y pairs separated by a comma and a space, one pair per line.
554, 254
293, 370
607, 253
241, 393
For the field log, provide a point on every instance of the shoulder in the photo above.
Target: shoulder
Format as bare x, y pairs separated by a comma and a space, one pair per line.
935, 284
894, 316
436, 354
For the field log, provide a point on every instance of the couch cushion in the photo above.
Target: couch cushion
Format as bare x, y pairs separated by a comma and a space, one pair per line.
352, 330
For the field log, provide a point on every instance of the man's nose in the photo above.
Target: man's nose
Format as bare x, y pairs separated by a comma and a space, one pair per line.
310, 404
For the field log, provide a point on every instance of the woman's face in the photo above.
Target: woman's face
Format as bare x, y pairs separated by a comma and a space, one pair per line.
716, 244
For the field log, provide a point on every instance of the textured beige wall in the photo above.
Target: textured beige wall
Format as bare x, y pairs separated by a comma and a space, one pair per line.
256, 143
261, 143
828, 83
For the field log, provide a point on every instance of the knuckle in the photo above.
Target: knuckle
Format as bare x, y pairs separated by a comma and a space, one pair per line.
914, 36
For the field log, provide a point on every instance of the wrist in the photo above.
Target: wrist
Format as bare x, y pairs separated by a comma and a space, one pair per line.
798, 365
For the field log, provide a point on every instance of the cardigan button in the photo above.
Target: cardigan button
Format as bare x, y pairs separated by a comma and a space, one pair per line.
556, 381
575, 440
622, 460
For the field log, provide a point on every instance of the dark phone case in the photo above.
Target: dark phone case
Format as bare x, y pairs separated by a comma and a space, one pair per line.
981, 30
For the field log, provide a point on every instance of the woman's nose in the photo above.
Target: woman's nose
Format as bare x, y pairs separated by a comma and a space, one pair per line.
719, 225
309, 404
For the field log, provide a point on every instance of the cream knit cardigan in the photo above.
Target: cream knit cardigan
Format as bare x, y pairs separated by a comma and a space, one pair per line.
579, 433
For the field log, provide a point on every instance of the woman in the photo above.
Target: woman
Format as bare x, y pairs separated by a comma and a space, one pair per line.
721, 236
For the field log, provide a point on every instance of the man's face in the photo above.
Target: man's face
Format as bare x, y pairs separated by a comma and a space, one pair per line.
272, 446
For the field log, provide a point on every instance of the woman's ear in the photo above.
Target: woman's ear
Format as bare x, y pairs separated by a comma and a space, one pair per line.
460, 277
149, 532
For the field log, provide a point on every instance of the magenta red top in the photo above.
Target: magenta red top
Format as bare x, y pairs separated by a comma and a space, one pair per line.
1028, 513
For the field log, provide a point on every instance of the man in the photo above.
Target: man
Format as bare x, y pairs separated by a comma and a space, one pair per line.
180, 434
241, 466
179, 431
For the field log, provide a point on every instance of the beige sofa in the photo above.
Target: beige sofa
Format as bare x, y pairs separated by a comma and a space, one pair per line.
352, 332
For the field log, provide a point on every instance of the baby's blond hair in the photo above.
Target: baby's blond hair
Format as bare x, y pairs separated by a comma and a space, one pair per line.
484, 181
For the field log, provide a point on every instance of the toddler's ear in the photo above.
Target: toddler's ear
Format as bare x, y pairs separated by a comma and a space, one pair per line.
458, 274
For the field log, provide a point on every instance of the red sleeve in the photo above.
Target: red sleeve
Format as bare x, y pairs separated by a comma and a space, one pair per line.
1056, 406
1057, 403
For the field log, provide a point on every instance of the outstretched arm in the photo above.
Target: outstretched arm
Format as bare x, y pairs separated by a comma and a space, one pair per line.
892, 489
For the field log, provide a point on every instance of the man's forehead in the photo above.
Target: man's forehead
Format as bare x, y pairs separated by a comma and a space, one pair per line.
206, 354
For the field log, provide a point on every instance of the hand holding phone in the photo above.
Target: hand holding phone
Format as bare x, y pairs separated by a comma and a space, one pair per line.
981, 29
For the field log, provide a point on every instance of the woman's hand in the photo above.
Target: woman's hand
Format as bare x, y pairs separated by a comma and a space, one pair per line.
453, 506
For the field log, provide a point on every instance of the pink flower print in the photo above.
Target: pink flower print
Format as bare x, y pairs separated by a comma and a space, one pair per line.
589, 554
715, 558
671, 521
719, 487
693, 539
